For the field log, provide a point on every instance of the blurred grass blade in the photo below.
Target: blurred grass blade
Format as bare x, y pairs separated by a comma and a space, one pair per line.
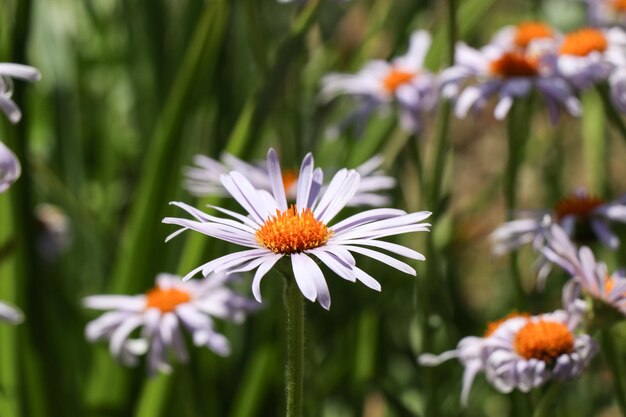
594, 142
154, 396
135, 257
254, 382
471, 13
9, 377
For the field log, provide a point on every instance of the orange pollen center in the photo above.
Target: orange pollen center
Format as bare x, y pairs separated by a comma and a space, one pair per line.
397, 78
292, 232
583, 42
494, 325
618, 5
543, 340
514, 64
576, 205
166, 300
529, 31
290, 177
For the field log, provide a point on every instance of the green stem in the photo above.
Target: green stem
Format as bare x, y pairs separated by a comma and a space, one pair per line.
294, 371
544, 408
612, 356
518, 128
441, 151
613, 115
430, 288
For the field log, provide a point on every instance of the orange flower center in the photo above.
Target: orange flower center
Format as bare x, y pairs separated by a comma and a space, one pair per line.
618, 5
290, 177
514, 64
166, 300
396, 78
543, 340
529, 31
494, 325
292, 232
583, 42
576, 205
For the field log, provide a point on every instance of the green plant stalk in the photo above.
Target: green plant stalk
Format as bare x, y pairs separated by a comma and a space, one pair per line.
9, 372
254, 382
613, 359
294, 370
614, 117
107, 384
518, 128
594, 142
544, 408
434, 274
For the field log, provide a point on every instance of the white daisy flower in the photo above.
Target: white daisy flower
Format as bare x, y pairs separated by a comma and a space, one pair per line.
509, 73
583, 216
272, 230
162, 314
403, 81
8, 71
524, 35
589, 277
10, 168
528, 353
472, 352
203, 179
590, 55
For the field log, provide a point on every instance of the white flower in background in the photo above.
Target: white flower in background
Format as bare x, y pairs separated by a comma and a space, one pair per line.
528, 353
589, 277
590, 55
10, 168
9, 314
472, 352
203, 179
508, 71
403, 81
524, 35
8, 71
607, 12
584, 218
272, 230
162, 314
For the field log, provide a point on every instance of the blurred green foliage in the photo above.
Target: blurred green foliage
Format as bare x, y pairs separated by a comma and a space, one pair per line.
132, 89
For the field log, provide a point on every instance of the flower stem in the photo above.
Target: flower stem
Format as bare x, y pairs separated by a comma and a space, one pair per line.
518, 128
431, 287
547, 400
612, 356
294, 371
612, 114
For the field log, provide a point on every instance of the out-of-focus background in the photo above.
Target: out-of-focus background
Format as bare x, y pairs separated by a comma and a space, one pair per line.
131, 90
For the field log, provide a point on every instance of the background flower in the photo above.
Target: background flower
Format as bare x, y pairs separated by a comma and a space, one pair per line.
162, 314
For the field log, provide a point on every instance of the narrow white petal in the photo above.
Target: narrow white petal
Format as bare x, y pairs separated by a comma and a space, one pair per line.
303, 279
276, 179
366, 279
120, 335
263, 269
305, 179
394, 263
318, 280
335, 264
